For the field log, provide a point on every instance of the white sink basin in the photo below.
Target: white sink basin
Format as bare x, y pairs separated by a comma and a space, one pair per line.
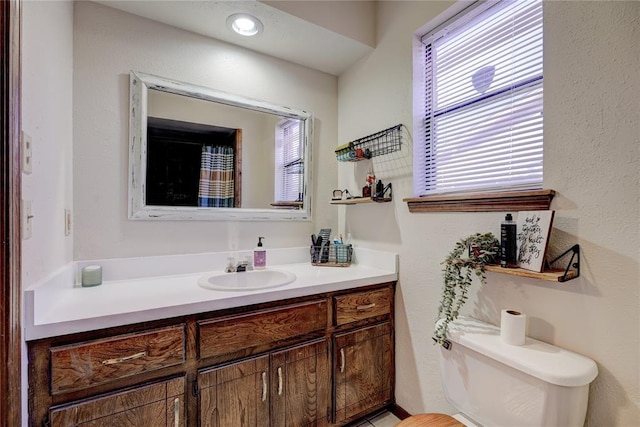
247, 280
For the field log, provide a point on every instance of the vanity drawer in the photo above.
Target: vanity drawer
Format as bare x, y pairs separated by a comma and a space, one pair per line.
260, 328
361, 305
79, 366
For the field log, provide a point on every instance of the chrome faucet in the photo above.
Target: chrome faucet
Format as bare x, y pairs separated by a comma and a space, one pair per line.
243, 265
240, 266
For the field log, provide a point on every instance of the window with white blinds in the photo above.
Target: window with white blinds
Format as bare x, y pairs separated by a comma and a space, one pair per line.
288, 161
481, 101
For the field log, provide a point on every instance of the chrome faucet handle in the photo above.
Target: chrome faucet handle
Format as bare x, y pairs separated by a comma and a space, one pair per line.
230, 268
241, 266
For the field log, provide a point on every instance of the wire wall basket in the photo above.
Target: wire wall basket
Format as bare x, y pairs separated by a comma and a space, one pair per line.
377, 144
331, 255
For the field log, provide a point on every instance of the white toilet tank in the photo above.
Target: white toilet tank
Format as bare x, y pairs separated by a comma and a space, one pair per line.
501, 385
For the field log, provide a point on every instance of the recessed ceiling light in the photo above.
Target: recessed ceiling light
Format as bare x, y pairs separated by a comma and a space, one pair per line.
244, 24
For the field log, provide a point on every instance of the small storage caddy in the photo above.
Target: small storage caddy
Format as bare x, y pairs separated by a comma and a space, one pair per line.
331, 255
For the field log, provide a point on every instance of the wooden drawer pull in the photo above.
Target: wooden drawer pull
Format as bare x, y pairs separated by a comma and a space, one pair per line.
366, 307
124, 359
342, 360
264, 386
279, 381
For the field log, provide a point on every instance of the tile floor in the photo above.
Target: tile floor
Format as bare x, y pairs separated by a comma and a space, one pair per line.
385, 419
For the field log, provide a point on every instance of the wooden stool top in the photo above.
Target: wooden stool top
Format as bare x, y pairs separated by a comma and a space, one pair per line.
430, 420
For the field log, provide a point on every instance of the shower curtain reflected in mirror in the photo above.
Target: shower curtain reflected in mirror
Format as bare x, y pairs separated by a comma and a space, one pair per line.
216, 188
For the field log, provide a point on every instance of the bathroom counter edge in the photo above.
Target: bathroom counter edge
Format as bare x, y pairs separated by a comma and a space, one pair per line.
56, 307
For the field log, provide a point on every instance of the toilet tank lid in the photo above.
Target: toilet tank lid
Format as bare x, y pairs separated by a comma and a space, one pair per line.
547, 362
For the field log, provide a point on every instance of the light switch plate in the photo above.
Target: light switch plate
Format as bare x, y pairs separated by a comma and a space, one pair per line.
27, 219
27, 153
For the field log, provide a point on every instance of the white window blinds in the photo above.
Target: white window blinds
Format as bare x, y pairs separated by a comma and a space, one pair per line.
482, 127
288, 161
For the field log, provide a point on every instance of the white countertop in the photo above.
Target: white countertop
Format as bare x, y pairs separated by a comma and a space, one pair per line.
132, 293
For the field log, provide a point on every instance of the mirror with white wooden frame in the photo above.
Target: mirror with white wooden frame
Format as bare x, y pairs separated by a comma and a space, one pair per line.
201, 154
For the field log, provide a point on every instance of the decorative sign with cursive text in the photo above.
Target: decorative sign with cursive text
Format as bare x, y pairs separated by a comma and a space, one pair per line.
533, 229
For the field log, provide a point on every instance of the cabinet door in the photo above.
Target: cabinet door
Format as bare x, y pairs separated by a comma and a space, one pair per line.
160, 404
300, 385
235, 395
363, 370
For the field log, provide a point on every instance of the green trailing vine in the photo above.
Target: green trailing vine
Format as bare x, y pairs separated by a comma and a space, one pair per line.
467, 259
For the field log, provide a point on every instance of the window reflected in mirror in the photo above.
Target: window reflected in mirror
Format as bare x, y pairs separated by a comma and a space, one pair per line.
289, 163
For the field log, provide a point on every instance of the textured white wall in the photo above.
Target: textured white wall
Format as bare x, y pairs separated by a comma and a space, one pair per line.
47, 116
592, 140
354, 19
107, 45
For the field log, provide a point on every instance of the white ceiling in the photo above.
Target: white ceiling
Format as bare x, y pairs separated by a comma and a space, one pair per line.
285, 36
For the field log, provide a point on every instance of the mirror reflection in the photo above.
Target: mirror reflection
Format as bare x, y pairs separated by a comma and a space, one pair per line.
203, 154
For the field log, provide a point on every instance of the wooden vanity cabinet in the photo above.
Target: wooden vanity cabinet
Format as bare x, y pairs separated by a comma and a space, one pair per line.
315, 361
363, 374
363, 371
229, 337
235, 395
356, 306
301, 386
88, 364
286, 388
160, 405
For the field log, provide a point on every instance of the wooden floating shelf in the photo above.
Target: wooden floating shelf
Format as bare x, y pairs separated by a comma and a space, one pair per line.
509, 201
360, 200
548, 275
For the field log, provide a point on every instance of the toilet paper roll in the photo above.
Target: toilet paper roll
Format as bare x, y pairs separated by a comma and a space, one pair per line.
513, 325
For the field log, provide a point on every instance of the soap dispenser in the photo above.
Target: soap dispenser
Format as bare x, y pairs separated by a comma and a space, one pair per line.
259, 256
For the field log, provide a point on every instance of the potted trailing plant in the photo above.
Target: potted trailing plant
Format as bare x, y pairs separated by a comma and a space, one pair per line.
468, 258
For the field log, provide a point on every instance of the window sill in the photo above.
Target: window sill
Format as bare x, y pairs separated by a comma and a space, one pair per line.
512, 201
